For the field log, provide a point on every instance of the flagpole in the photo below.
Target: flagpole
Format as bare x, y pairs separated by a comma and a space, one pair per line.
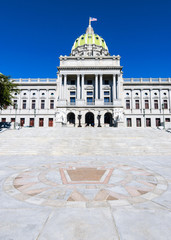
89, 22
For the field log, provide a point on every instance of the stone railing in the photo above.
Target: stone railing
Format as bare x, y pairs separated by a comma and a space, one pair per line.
34, 80
147, 80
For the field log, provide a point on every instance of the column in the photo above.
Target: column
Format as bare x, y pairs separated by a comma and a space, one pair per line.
96, 86
151, 101
160, 101
118, 86
141, 98
60, 86
78, 86
65, 84
169, 100
131, 100
101, 83
114, 87
82, 94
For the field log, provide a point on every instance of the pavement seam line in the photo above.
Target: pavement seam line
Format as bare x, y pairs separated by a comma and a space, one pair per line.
44, 225
114, 223
163, 206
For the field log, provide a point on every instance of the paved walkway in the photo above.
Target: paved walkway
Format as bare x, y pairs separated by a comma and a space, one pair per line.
85, 184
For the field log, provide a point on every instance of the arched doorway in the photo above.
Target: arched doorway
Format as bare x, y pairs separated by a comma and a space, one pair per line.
71, 118
108, 119
89, 119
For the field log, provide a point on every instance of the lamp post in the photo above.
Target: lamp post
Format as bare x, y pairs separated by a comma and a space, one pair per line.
16, 107
99, 116
163, 116
79, 119
34, 117
144, 117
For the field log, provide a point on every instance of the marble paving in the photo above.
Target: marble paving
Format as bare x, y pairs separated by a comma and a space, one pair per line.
85, 184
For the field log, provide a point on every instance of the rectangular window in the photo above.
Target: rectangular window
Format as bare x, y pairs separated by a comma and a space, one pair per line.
89, 99
24, 104
148, 122
129, 122
157, 122
15, 104
42, 104
32, 122
72, 93
3, 119
41, 122
106, 92
165, 104
167, 119
156, 105
50, 122
89, 82
137, 104
146, 104
22, 121
89, 93
127, 104
12, 119
72, 99
138, 122
51, 104
33, 104
106, 99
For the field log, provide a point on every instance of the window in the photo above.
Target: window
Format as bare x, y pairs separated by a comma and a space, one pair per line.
137, 104
42, 104
155, 93
146, 104
22, 121
129, 122
34, 94
72, 82
52, 94
72, 99
167, 119
33, 104
72, 93
138, 122
164, 94
106, 99
15, 104
89, 82
89, 99
51, 104
127, 104
24, 93
50, 122
106, 82
24, 104
41, 122
157, 122
136, 94
165, 104
3, 119
89, 93
146, 94
32, 122
127, 93
15, 94
12, 119
156, 105
106, 92
148, 122
43, 94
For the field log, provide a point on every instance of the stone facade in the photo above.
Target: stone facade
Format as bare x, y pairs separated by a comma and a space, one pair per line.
90, 91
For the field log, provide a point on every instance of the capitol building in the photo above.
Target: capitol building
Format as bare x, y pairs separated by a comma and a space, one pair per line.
90, 91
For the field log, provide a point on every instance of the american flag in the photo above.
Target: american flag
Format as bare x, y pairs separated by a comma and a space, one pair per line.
93, 19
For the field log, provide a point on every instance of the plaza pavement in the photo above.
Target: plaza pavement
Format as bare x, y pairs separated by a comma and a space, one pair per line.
85, 184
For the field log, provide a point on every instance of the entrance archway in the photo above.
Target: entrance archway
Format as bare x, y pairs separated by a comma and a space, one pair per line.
89, 119
108, 119
71, 118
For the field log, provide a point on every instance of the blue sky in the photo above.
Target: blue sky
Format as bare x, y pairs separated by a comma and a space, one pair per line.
35, 33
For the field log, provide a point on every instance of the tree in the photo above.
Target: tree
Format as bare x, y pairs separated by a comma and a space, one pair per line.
7, 89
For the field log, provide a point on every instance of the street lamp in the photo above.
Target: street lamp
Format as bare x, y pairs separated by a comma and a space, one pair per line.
79, 119
34, 117
16, 107
144, 117
163, 116
99, 116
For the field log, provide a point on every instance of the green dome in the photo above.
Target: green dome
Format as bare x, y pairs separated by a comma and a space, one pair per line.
89, 39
